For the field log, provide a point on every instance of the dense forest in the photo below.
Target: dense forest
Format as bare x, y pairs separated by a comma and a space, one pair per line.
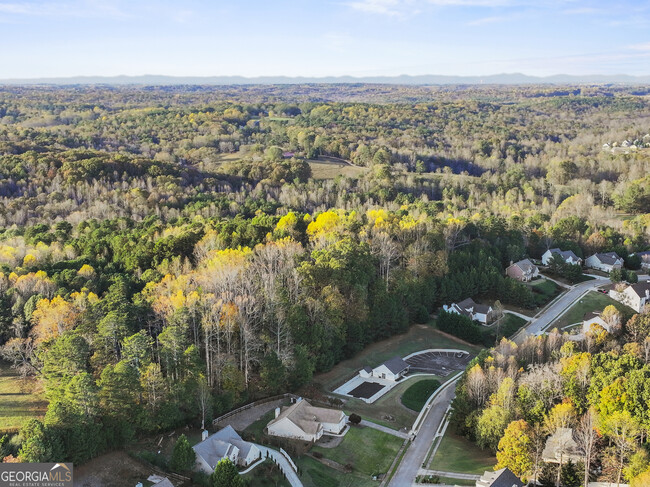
167, 254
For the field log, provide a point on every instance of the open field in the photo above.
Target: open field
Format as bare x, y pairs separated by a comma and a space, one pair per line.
419, 337
368, 451
321, 169
457, 454
20, 399
592, 301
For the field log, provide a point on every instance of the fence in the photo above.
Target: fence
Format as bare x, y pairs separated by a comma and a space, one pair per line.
252, 405
286, 455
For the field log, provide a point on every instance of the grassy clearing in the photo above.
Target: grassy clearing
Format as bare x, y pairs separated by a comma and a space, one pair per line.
419, 337
266, 475
544, 291
592, 301
457, 454
20, 399
315, 474
321, 169
509, 325
416, 395
366, 450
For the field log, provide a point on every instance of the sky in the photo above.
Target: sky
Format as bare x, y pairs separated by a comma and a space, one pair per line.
60, 38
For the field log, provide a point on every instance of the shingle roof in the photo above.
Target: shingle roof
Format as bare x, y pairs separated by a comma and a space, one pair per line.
561, 444
307, 417
368, 369
396, 365
467, 303
565, 254
500, 478
525, 265
640, 288
164, 483
220, 444
609, 258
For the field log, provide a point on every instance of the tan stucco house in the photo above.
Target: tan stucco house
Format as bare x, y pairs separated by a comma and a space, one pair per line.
302, 421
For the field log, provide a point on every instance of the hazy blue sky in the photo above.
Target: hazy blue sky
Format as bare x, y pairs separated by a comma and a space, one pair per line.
322, 37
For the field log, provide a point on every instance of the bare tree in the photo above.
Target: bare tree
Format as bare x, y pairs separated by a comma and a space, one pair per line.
586, 438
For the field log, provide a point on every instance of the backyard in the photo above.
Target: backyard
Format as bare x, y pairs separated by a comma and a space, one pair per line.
20, 399
457, 454
592, 301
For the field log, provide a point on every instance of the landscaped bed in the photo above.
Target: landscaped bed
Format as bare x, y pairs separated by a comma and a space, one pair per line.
417, 394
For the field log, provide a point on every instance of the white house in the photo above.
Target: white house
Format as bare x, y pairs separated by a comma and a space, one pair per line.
392, 369
566, 255
225, 443
593, 318
500, 478
636, 296
605, 262
302, 421
524, 270
477, 312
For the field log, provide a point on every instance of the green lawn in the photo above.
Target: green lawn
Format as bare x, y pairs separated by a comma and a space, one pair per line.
544, 291
255, 432
419, 337
266, 475
457, 454
367, 450
592, 301
416, 395
20, 399
389, 404
315, 474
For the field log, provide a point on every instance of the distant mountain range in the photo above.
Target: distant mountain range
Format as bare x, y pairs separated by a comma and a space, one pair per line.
505, 78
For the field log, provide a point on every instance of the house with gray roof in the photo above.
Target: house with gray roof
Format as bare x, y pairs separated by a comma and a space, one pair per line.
474, 311
500, 478
645, 259
392, 369
567, 256
225, 443
606, 262
561, 447
523, 271
636, 295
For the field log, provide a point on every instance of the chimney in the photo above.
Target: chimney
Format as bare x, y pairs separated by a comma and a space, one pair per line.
277, 412
204, 435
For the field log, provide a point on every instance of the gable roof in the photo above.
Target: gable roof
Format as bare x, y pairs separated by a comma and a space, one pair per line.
164, 483
525, 265
561, 443
396, 365
609, 258
367, 369
565, 254
467, 303
221, 444
590, 315
500, 478
641, 288
307, 417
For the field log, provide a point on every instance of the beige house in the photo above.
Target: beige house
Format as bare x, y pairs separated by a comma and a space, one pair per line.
561, 447
605, 262
226, 443
636, 296
524, 270
302, 421
593, 318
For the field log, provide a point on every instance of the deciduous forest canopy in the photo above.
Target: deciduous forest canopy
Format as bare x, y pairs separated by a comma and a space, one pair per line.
168, 253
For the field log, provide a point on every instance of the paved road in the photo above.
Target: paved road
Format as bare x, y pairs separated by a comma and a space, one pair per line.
390, 431
564, 302
417, 451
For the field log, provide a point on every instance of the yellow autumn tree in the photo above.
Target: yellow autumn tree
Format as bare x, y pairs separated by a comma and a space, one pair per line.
52, 317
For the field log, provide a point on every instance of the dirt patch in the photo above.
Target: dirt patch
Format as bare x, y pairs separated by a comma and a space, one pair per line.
115, 469
327, 441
